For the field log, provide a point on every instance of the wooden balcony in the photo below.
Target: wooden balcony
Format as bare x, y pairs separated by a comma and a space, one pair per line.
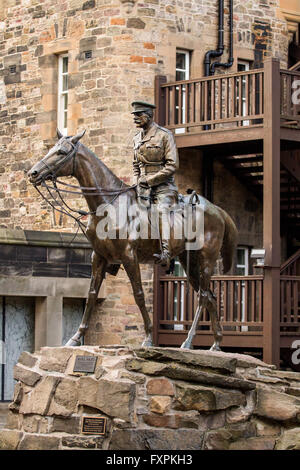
229, 108
250, 120
240, 306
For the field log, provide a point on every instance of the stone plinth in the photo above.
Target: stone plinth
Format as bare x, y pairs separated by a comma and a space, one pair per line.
152, 399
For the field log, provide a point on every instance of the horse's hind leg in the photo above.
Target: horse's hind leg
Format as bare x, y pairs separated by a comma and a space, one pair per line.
98, 273
132, 268
216, 327
200, 274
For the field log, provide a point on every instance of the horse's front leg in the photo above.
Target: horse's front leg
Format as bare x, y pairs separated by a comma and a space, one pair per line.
98, 273
132, 268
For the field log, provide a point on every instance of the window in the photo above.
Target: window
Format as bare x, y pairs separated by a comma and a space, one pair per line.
242, 266
242, 269
243, 66
62, 108
182, 73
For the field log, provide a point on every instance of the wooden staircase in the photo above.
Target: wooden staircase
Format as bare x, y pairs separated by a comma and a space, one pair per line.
249, 170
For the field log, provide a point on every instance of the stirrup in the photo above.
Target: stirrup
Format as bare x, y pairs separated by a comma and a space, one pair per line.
163, 259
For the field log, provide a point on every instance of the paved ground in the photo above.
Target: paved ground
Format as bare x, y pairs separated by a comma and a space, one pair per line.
3, 414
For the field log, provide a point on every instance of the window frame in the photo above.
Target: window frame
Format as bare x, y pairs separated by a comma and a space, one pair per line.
244, 266
186, 71
245, 63
62, 110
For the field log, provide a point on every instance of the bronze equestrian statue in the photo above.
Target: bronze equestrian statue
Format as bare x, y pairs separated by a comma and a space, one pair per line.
102, 188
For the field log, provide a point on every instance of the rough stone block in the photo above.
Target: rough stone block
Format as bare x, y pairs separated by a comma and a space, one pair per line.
290, 440
160, 387
39, 442
254, 443
275, 405
112, 397
160, 404
281, 374
115, 398
171, 421
13, 420
196, 397
38, 400
31, 423
87, 391
220, 439
182, 372
157, 439
83, 442
25, 375
27, 359
55, 359
266, 428
204, 359
68, 425
64, 401
9, 440
209, 421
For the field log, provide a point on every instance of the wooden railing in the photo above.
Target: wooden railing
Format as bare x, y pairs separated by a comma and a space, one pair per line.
291, 267
231, 99
290, 303
226, 101
289, 98
239, 303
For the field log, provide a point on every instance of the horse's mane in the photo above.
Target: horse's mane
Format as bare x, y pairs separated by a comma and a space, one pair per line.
101, 164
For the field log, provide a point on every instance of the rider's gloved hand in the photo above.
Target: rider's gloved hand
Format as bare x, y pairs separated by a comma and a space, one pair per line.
142, 181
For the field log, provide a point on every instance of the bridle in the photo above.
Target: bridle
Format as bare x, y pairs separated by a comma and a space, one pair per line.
64, 208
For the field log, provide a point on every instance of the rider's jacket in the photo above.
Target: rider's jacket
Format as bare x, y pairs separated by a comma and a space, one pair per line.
156, 157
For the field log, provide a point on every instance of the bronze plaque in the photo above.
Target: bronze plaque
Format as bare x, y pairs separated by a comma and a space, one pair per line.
93, 425
85, 364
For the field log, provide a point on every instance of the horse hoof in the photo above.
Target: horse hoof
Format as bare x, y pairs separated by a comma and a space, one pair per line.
215, 347
147, 342
186, 345
73, 342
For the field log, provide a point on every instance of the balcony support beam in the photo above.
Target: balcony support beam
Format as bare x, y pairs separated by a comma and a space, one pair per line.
271, 213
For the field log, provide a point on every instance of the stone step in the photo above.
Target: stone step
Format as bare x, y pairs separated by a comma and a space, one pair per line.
3, 414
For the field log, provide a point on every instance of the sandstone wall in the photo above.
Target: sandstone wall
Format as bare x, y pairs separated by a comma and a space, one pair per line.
128, 50
154, 398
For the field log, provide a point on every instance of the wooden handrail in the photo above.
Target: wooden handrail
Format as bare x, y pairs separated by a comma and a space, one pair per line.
292, 259
295, 66
213, 77
257, 277
289, 72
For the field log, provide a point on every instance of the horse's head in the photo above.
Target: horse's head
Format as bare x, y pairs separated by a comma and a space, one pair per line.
59, 161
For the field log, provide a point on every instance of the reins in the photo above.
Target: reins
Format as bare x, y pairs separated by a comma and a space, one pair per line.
62, 203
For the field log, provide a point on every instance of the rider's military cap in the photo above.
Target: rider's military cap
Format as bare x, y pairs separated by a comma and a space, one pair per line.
139, 106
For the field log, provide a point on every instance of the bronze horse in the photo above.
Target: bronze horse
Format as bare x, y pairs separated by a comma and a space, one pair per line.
100, 186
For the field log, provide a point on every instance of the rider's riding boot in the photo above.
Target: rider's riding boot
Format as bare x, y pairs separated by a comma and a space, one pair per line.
164, 257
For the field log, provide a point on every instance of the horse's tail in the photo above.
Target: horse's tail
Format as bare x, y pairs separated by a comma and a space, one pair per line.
229, 241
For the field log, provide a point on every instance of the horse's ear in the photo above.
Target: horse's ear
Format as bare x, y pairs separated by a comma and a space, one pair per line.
59, 134
77, 137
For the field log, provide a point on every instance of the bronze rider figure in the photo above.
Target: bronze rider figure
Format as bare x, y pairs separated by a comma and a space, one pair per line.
154, 164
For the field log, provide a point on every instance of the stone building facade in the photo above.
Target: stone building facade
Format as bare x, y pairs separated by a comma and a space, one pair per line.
115, 48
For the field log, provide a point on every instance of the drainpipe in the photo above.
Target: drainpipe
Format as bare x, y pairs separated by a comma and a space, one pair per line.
230, 59
219, 51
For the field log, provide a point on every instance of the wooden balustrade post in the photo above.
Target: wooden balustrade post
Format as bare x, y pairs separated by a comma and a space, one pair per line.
271, 212
160, 100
